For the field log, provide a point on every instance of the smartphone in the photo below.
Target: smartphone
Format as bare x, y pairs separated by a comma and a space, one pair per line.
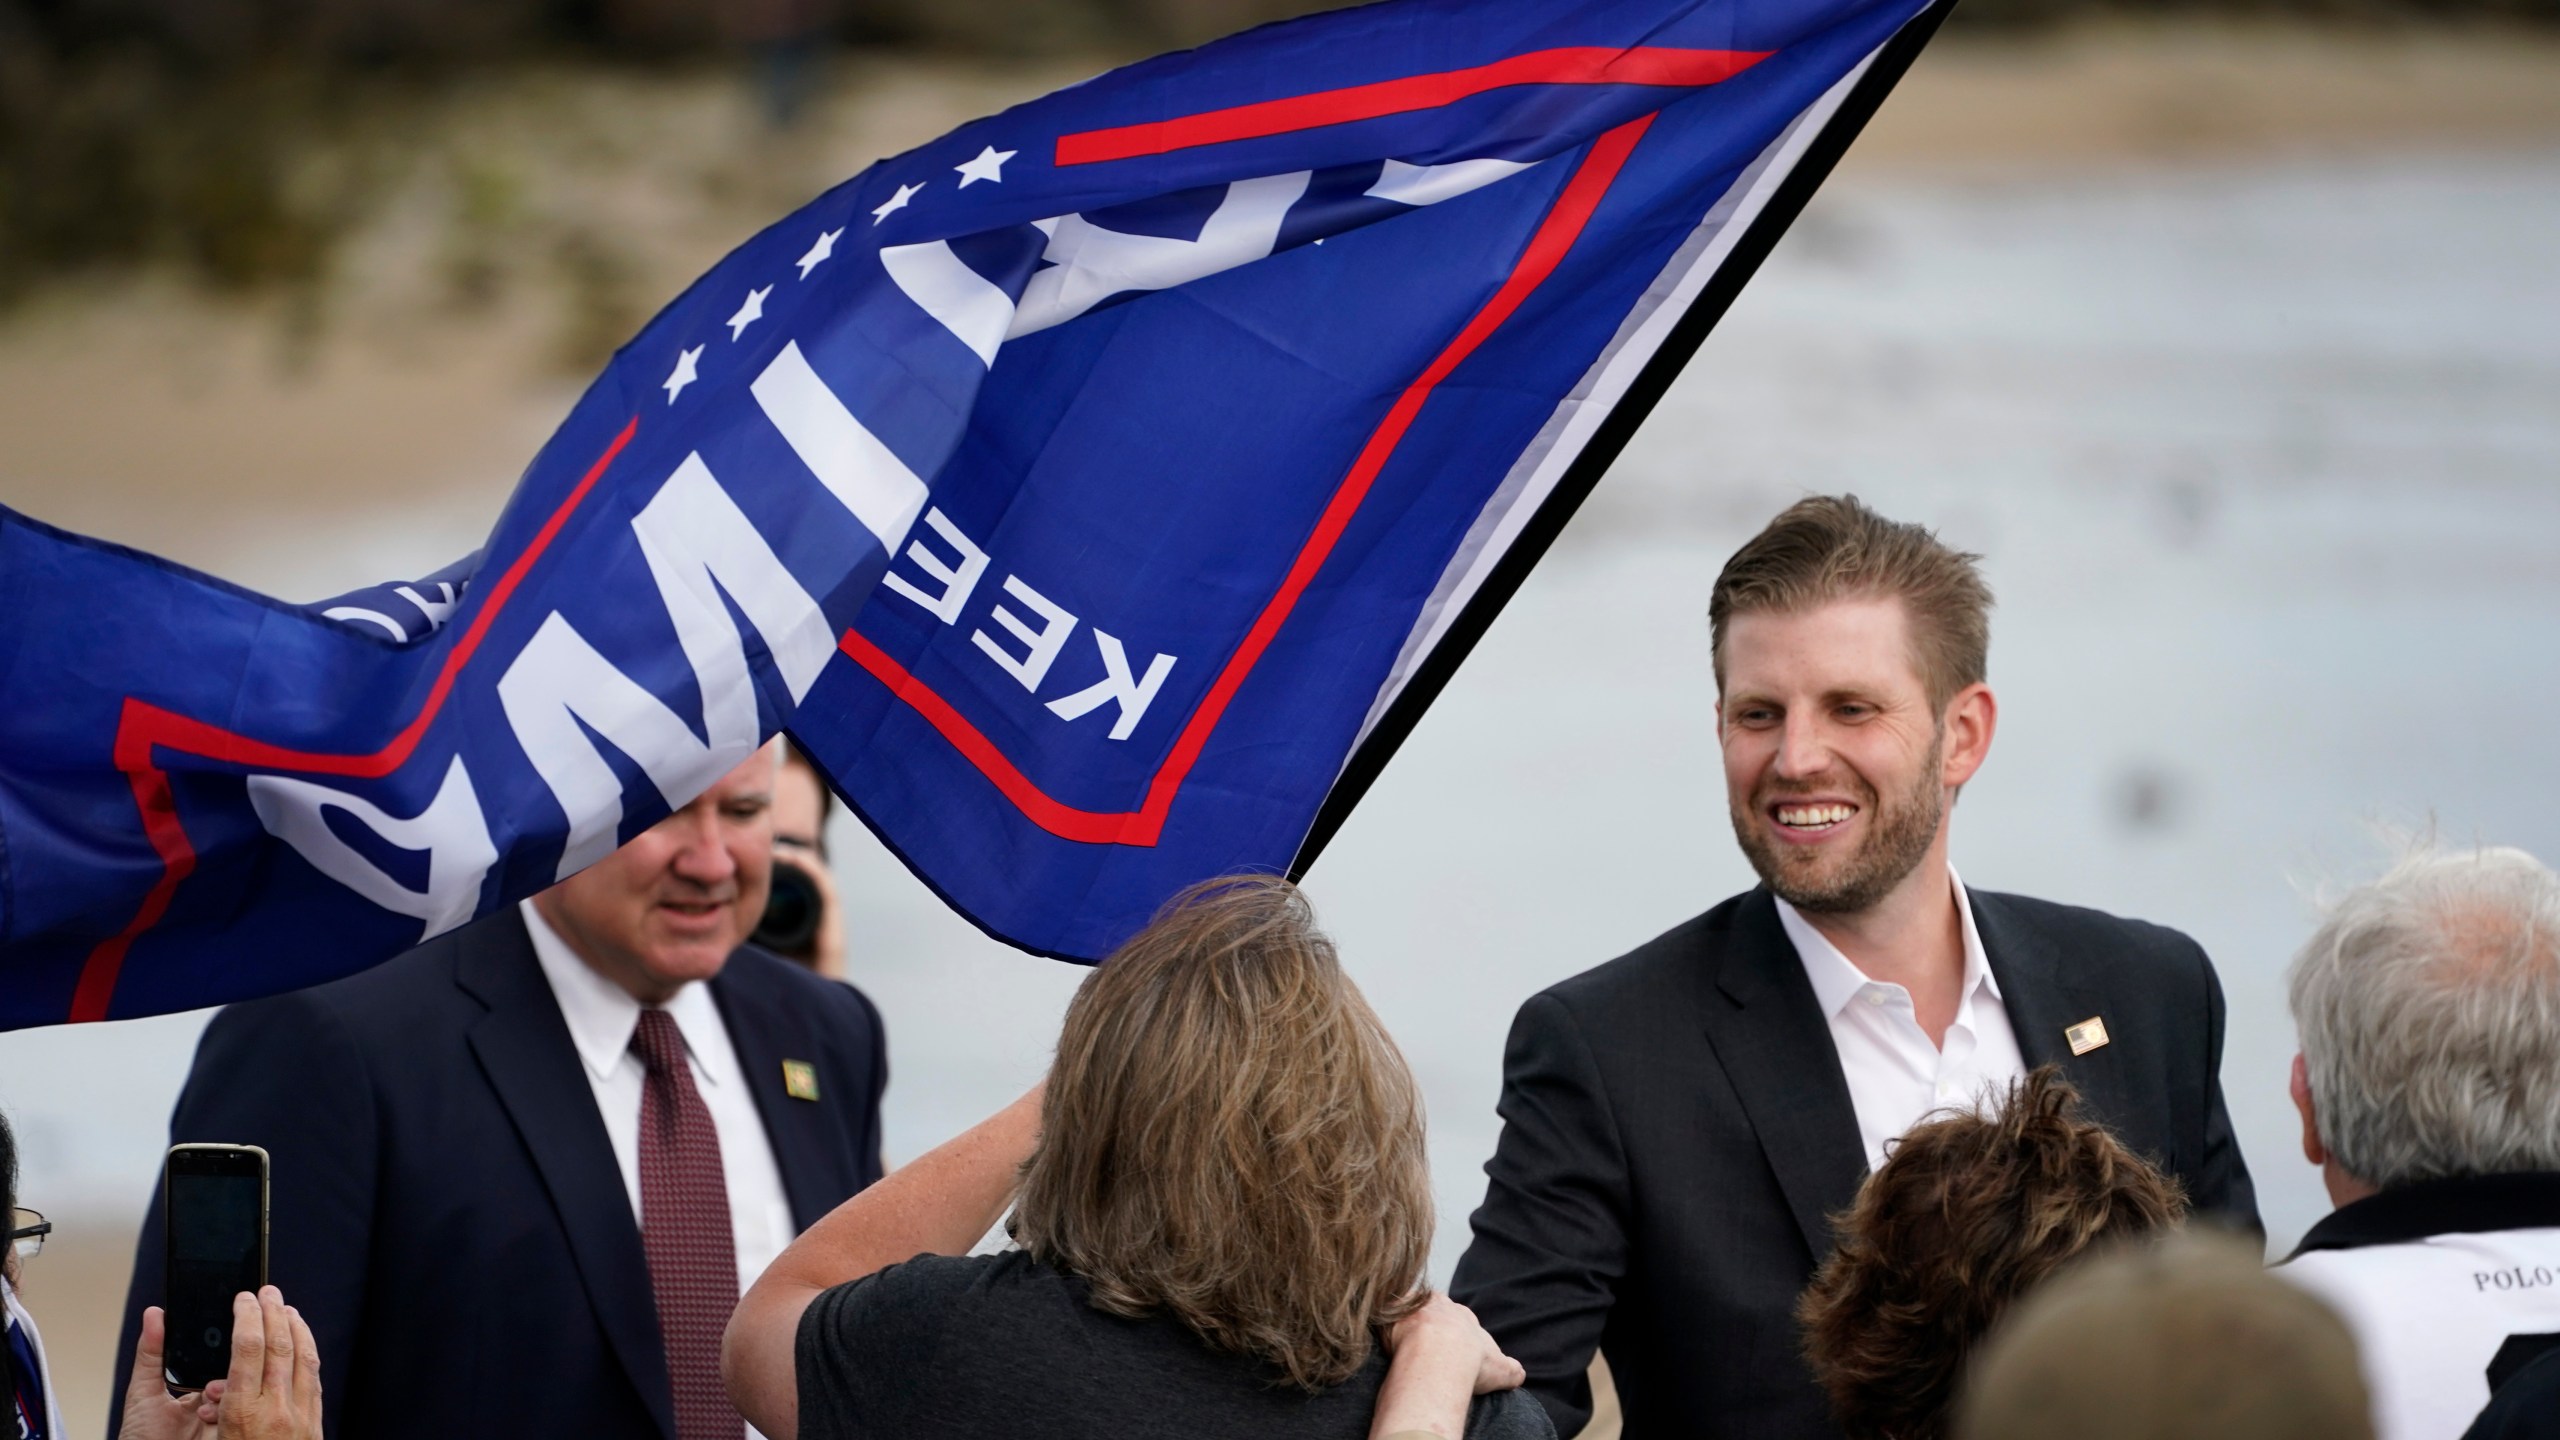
216, 1213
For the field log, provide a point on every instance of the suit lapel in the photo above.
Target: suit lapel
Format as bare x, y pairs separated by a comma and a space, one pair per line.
2045, 995
765, 1030
1776, 1048
523, 1046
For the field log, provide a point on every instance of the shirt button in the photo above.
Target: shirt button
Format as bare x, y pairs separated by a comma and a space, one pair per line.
1875, 997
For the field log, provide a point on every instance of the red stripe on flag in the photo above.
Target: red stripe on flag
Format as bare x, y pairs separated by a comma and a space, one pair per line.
144, 728
1062, 820
1577, 65
1546, 249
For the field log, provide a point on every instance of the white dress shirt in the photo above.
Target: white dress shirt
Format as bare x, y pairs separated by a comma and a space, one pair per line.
1896, 1077
602, 1017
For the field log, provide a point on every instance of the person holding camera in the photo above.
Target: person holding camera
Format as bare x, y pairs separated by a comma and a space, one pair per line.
522, 1172
802, 919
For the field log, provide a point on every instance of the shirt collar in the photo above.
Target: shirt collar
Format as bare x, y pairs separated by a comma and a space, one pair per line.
602, 1015
1837, 979
2460, 1205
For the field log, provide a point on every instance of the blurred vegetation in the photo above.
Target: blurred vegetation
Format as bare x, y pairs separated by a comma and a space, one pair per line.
238, 142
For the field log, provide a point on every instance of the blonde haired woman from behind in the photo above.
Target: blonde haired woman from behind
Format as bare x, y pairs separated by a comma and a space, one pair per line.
1221, 1208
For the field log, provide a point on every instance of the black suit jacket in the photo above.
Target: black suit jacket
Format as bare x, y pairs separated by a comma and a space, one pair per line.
447, 1211
1677, 1132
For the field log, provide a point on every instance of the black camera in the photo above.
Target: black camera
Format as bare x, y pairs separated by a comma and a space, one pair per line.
793, 912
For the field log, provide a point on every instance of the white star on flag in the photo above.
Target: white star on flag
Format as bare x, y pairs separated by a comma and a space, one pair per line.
988, 166
824, 246
682, 375
895, 202
750, 310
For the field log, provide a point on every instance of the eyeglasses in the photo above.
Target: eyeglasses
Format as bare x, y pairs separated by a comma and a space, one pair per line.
27, 1230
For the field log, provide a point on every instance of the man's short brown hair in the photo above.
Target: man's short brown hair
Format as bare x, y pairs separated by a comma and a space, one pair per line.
1231, 1137
1968, 1213
1832, 547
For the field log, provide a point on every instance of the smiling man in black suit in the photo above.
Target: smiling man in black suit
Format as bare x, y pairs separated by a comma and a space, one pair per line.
1680, 1123
522, 1172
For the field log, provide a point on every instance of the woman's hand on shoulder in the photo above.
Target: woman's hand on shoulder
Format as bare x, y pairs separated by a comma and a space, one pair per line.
1440, 1359
1449, 1331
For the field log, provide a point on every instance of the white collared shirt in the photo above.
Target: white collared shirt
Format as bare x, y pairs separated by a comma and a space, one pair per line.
602, 1017
1896, 1077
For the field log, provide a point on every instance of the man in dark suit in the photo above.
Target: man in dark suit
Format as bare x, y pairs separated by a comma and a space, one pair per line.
521, 1173
1680, 1123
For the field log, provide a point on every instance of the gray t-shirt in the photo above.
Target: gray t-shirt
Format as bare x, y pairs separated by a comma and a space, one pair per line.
1003, 1346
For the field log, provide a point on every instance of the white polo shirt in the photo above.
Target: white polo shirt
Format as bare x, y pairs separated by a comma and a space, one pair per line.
2434, 1279
1896, 1076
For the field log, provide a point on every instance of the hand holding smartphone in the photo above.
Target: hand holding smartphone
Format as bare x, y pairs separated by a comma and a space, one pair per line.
216, 1223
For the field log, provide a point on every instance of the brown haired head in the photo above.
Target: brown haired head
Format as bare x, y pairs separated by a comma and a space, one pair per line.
1832, 547
2191, 1336
1231, 1137
1968, 1213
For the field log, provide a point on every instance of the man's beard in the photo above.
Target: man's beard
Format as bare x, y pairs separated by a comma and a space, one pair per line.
1898, 839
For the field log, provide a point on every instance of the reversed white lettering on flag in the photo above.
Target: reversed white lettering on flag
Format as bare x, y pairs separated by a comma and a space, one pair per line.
957, 579
967, 303
1032, 665
451, 830
1089, 264
1431, 184
698, 545
847, 458
436, 611
370, 617
1116, 686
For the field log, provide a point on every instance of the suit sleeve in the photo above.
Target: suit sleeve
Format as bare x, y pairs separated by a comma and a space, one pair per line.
285, 1075
2220, 1186
1551, 1237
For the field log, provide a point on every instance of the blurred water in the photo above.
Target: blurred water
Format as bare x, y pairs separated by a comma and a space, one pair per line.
2262, 462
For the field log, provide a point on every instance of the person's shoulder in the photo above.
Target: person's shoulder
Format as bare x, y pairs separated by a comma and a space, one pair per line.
394, 998
936, 1292
1509, 1415
1669, 963
754, 966
869, 1352
940, 1277
2526, 1406
2139, 951
754, 970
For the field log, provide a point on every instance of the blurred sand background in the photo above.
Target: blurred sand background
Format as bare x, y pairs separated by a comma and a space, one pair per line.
2232, 345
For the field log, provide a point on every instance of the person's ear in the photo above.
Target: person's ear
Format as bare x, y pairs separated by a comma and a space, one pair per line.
2312, 1149
1968, 723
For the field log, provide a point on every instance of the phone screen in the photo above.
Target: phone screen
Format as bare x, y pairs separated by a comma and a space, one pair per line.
217, 1248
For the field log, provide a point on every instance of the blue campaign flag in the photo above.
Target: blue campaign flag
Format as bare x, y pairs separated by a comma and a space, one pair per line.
1098, 493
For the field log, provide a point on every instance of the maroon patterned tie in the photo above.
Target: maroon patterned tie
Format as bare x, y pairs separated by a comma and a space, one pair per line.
684, 1230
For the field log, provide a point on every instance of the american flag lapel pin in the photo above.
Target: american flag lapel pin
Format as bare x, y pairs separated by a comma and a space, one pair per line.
2088, 1035
799, 1079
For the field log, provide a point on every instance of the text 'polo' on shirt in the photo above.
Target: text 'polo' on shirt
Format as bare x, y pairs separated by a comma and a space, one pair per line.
602, 1017
1896, 1076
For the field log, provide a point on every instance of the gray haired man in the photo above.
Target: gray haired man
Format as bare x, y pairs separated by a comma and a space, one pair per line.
2429, 1083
